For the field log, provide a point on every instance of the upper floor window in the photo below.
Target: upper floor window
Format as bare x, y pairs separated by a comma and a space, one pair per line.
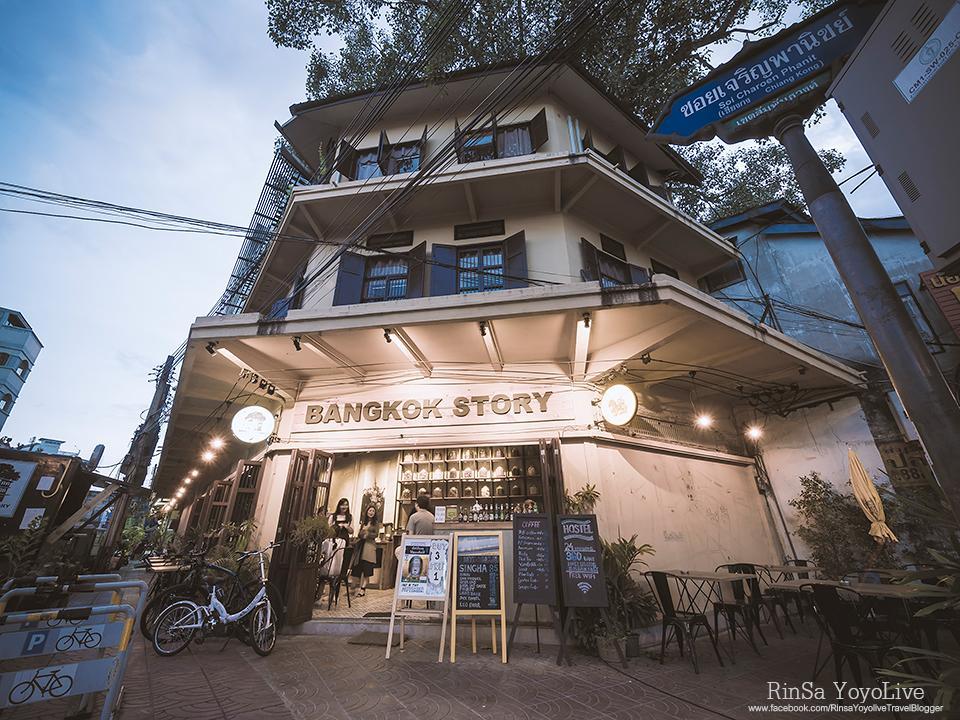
6, 403
366, 165
503, 141
728, 274
4, 358
385, 159
609, 265
480, 269
23, 368
14, 320
384, 278
403, 158
660, 268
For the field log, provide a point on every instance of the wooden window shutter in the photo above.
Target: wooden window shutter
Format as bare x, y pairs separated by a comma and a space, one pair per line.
616, 158
613, 247
458, 140
349, 279
638, 275
639, 173
346, 160
515, 261
443, 271
246, 490
384, 149
493, 133
416, 271
538, 130
591, 266
587, 141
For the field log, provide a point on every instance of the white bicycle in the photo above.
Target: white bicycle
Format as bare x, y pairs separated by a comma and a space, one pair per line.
178, 624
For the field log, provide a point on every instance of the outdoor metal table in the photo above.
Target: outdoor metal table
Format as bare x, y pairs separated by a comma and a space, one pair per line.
784, 570
897, 591
701, 588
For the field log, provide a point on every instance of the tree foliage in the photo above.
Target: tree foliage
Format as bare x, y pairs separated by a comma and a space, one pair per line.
644, 52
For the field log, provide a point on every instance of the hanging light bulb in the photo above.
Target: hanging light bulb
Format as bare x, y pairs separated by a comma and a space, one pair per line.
187, 480
704, 421
217, 443
207, 456
754, 432
194, 473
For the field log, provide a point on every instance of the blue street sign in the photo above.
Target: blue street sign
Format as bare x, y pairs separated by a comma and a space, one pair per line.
763, 71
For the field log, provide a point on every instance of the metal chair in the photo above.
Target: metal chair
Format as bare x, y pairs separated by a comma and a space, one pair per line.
841, 614
799, 597
681, 623
740, 604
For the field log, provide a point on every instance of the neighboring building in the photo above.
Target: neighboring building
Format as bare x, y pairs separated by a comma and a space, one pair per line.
899, 93
786, 279
47, 446
461, 348
19, 348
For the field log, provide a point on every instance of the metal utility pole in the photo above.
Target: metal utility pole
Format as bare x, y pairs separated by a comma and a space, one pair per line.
136, 463
915, 375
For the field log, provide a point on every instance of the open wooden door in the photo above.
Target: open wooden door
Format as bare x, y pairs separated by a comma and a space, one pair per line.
294, 569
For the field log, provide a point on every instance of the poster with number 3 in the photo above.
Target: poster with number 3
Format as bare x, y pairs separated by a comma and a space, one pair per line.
423, 568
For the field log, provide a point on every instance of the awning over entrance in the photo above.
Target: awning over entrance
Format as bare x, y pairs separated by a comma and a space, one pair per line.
655, 335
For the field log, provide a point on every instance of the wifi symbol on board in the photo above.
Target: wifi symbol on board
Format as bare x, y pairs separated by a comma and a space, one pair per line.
584, 587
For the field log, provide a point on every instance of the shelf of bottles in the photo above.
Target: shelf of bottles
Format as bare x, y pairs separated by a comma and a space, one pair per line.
474, 484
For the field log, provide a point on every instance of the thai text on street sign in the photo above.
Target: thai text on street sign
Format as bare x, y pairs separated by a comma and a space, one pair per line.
788, 71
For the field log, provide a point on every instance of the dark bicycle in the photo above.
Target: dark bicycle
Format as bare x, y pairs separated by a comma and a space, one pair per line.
82, 638
46, 683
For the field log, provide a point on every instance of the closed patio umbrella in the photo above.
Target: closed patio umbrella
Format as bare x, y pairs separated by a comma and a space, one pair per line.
869, 500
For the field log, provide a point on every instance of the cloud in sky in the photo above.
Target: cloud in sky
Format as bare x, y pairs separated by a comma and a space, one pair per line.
167, 106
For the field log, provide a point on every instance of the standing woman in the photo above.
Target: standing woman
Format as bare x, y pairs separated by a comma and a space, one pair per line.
365, 552
342, 522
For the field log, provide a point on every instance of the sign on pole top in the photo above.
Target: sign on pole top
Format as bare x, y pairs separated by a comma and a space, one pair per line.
789, 71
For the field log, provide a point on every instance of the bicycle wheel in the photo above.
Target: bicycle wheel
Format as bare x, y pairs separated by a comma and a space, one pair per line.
263, 629
161, 600
60, 686
276, 600
21, 693
169, 635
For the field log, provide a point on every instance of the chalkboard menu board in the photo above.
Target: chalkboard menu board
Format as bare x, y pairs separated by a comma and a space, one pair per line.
534, 575
581, 562
478, 572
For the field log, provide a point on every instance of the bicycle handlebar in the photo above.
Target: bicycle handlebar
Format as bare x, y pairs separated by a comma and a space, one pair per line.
247, 553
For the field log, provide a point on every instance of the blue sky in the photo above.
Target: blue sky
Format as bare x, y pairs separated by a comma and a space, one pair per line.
162, 105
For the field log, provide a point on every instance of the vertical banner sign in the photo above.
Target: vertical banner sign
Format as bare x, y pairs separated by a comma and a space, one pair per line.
423, 573
534, 576
478, 585
15, 475
581, 562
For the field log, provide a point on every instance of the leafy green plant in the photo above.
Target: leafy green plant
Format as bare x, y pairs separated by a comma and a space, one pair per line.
582, 502
835, 529
631, 605
312, 530
238, 535
20, 550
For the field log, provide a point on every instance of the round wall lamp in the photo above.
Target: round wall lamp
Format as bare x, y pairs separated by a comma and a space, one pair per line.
252, 424
618, 405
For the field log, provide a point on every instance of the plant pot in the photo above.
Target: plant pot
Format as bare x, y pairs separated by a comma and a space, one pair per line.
607, 649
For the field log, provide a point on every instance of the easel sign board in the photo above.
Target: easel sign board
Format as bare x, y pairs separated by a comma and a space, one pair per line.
423, 573
424, 567
581, 562
478, 586
534, 574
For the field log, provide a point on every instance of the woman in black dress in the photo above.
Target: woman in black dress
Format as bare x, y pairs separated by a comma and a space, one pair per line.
365, 551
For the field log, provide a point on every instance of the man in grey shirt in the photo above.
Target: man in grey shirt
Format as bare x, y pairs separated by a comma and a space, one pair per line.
421, 522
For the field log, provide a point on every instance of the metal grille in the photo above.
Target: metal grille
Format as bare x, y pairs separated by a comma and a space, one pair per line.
870, 124
248, 477
904, 47
906, 182
242, 508
281, 179
925, 19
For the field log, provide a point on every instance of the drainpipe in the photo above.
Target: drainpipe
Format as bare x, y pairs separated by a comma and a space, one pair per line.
766, 489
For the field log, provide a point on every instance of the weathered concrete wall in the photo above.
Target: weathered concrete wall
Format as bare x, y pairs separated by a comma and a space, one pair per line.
697, 513
816, 439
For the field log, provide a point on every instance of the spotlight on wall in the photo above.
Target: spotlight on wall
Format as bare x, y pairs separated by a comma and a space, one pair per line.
296, 343
704, 421
386, 336
212, 348
207, 456
754, 432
